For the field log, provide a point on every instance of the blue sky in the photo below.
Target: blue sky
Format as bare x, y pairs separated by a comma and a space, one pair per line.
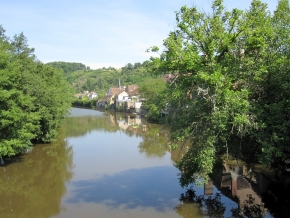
97, 33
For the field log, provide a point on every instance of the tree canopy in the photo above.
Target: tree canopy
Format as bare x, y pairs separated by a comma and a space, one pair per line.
68, 67
231, 92
153, 91
34, 97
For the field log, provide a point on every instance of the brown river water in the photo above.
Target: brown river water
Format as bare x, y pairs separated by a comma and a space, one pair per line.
111, 165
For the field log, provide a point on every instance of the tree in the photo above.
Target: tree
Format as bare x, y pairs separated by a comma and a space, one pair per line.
34, 98
17, 121
153, 91
53, 100
3, 38
137, 65
274, 104
69, 67
232, 75
91, 83
20, 46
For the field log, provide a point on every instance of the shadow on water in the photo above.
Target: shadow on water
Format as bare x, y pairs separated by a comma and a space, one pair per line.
133, 188
5, 161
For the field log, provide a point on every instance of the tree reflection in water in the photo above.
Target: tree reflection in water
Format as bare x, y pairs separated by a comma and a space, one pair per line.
155, 137
35, 186
250, 209
253, 187
209, 206
154, 144
193, 205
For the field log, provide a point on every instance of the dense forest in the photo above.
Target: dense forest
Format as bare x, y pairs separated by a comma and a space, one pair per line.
35, 97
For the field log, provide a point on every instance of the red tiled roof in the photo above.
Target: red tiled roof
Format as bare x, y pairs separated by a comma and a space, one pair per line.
132, 90
105, 98
115, 90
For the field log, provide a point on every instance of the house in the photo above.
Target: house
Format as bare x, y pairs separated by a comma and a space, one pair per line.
121, 99
134, 103
103, 102
108, 99
92, 95
129, 102
115, 90
123, 96
132, 91
126, 97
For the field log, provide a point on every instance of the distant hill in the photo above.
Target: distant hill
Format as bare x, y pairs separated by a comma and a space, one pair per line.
99, 80
68, 67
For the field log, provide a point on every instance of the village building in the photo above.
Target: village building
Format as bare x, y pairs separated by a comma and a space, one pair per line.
91, 95
108, 99
126, 98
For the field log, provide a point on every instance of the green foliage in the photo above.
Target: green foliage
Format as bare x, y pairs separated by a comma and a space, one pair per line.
232, 89
100, 80
154, 93
68, 67
85, 102
94, 80
34, 97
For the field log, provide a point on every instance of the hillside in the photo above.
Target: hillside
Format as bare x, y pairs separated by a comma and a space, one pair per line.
99, 80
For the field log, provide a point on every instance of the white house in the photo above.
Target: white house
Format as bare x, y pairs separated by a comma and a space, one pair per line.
92, 95
121, 98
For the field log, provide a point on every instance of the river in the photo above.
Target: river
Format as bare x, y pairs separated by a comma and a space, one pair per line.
108, 165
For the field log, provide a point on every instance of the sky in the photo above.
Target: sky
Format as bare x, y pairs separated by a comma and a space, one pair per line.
98, 33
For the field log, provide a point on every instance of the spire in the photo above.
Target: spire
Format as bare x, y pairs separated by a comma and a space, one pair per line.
119, 84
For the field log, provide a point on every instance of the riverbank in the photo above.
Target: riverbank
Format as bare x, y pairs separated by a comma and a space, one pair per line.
92, 137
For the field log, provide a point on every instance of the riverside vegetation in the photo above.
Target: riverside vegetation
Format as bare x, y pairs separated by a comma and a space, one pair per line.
35, 97
230, 94
232, 86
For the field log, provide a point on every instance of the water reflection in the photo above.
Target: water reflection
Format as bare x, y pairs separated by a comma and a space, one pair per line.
154, 137
131, 189
213, 206
247, 187
36, 183
120, 165
253, 191
236, 180
210, 206
124, 188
